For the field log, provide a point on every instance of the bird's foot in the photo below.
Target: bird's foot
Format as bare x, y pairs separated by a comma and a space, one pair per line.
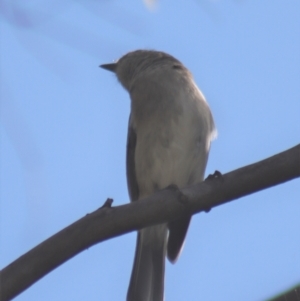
217, 175
180, 196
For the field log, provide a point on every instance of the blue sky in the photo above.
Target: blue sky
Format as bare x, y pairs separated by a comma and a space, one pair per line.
64, 127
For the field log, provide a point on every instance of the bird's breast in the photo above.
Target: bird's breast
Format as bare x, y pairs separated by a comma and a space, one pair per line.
172, 145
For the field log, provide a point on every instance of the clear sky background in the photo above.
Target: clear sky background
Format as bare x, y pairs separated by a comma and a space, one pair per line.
64, 127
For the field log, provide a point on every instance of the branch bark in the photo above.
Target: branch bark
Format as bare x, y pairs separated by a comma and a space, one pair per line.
166, 205
293, 294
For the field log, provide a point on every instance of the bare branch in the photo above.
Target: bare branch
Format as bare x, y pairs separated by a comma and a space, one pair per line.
169, 204
293, 294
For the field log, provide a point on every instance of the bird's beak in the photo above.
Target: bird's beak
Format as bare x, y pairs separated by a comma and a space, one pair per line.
110, 67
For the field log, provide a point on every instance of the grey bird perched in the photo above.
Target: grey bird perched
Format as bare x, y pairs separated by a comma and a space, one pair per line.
169, 135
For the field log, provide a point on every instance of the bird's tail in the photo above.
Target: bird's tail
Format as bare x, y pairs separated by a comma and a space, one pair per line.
147, 277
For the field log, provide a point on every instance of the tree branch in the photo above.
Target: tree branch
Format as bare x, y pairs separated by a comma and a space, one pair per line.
166, 205
293, 294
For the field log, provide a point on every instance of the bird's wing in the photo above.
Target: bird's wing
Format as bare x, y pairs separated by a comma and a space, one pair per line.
130, 163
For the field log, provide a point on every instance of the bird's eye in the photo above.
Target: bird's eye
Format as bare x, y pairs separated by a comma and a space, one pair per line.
176, 66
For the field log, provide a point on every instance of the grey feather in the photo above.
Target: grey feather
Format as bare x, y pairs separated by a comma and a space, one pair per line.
130, 164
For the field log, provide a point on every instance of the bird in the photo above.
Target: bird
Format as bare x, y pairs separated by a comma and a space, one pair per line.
170, 131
